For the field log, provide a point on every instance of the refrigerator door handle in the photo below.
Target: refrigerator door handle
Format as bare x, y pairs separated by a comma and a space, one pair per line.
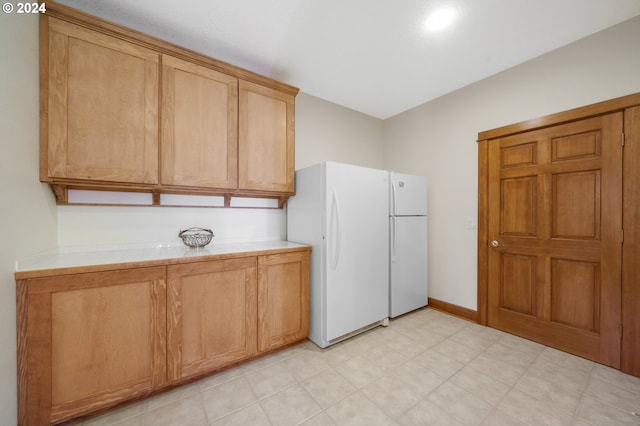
335, 227
394, 236
393, 197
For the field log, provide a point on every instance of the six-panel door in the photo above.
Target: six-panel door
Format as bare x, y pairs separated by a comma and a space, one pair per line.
555, 221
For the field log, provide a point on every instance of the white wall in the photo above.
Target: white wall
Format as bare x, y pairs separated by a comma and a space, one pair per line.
27, 208
328, 132
109, 225
437, 139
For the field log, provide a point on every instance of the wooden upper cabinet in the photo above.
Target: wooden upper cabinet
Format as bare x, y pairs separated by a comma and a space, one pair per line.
266, 139
121, 110
199, 126
101, 107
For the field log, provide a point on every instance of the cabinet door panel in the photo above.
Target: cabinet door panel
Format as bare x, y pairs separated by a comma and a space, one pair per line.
102, 108
212, 315
96, 339
283, 299
199, 126
266, 139
99, 318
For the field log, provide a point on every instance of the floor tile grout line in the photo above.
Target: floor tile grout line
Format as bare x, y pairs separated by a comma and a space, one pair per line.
602, 401
573, 414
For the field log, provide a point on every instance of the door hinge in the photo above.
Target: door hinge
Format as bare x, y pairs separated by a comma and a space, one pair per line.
622, 139
622, 235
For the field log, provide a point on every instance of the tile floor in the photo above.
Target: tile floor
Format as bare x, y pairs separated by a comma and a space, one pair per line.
426, 368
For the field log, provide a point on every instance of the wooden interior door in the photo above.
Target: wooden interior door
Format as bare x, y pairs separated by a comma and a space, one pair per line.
554, 229
631, 248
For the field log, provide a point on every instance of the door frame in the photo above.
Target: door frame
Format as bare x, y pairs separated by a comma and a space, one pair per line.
631, 203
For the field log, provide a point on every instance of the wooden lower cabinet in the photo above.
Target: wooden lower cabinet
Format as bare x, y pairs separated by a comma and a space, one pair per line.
221, 312
89, 341
211, 315
283, 299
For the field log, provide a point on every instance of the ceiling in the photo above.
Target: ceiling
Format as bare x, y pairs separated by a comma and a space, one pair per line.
372, 56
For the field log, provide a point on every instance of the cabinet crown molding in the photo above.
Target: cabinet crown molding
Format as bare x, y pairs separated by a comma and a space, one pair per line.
113, 29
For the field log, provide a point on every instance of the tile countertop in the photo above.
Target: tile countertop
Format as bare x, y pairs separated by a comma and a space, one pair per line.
89, 259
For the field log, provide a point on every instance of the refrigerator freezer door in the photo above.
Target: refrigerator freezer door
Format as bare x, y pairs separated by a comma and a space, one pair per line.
357, 243
408, 195
408, 263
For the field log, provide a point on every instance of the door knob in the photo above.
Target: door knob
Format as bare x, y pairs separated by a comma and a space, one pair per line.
495, 244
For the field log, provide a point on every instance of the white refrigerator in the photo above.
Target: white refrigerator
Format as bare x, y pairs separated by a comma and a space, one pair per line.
342, 211
407, 243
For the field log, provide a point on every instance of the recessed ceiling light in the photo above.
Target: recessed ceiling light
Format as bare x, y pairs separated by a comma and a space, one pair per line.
440, 19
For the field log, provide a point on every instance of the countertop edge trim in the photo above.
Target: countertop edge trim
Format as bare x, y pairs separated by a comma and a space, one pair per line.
41, 273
